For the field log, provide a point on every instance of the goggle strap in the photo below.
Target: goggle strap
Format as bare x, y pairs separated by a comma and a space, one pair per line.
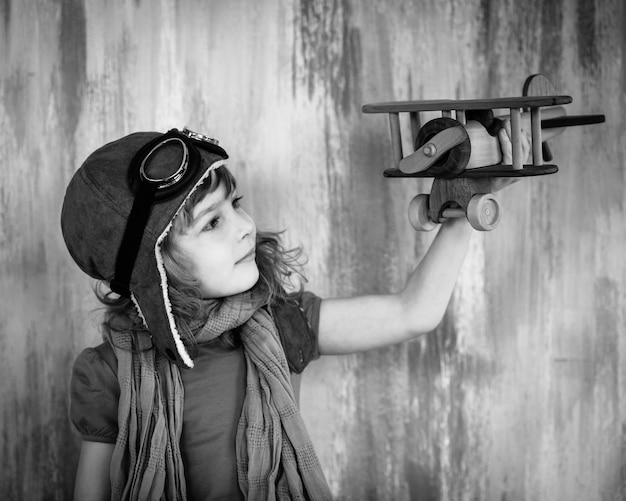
133, 234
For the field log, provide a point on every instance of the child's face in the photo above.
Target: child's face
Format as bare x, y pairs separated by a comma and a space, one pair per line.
220, 244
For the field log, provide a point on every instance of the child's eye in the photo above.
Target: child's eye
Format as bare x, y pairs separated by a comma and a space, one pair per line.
237, 202
212, 224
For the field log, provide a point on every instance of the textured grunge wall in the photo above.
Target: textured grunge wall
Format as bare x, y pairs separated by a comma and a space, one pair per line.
519, 394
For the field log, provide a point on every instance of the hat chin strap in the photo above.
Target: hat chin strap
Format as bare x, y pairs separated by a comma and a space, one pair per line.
133, 233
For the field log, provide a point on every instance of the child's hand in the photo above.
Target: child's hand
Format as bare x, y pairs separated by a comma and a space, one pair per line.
504, 135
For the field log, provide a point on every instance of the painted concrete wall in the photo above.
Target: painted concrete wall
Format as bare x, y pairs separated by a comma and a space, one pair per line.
519, 394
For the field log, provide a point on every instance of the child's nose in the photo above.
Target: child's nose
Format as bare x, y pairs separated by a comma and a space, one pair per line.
246, 225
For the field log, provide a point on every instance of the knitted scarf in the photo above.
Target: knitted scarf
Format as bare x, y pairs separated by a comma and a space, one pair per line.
275, 456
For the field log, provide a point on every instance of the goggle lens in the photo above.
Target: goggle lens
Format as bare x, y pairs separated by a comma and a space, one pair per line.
166, 163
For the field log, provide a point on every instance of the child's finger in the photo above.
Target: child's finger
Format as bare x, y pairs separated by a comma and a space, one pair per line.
505, 144
504, 136
526, 145
507, 128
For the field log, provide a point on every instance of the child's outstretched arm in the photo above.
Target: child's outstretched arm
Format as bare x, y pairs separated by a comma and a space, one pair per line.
348, 325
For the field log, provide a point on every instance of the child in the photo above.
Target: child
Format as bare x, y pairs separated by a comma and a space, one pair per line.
194, 393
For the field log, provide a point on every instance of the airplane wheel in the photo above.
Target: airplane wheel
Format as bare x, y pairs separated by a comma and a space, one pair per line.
418, 214
483, 212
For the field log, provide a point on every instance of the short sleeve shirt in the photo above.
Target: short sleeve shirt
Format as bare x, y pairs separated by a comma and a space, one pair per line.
214, 394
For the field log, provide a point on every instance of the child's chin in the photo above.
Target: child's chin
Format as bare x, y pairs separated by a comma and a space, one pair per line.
254, 278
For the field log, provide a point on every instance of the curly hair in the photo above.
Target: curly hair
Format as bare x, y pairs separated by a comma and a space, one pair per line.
277, 265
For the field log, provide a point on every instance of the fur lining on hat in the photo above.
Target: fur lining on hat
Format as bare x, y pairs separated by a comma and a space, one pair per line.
180, 346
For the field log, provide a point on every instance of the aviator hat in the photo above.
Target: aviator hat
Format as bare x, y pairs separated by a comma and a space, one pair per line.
118, 208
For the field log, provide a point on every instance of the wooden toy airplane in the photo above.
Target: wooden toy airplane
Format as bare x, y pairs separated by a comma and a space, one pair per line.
463, 154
